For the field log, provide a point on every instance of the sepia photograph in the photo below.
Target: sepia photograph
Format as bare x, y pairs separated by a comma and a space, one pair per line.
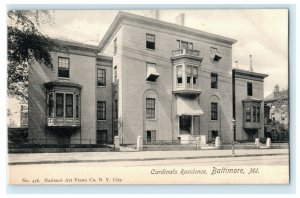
164, 96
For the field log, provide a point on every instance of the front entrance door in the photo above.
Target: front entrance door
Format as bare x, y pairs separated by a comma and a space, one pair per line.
185, 124
149, 136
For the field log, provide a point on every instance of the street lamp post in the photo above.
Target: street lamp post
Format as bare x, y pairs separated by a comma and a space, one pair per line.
233, 146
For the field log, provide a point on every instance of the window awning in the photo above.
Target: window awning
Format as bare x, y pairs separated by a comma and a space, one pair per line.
187, 106
152, 73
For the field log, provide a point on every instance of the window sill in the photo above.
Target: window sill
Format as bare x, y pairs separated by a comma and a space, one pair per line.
101, 86
101, 120
150, 49
63, 78
152, 82
151, 119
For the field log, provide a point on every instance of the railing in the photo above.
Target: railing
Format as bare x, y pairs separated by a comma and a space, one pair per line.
64, 143
63, 121
186, 52
162, 142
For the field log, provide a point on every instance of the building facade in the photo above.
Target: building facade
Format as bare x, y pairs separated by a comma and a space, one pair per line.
248, 105
63, 100
148, 78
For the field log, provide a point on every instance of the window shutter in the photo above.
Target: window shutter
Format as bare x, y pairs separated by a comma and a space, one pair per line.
153, 136
145, 136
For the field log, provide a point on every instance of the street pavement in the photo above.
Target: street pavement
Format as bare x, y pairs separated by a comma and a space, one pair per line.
99, 157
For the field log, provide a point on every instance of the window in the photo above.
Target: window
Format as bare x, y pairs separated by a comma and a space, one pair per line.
116, 109
248, 114
184, 45
188, 74
101, 110
59, 104
115, 46
115, 73
150, 108
257, 114
101, 136
214, 54
24, 115
64, 105
69, 105
179, 74
63, 67
214, 80
50, 105
77, 106
214, 111
249, 89
101, 77
254, 113
152, 73
195, 74
150, 41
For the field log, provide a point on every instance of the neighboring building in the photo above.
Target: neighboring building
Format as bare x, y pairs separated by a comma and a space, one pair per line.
248, 105
157, 80
277, 107
62, 99
17, 113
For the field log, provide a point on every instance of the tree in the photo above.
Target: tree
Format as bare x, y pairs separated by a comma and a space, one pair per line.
277, 131
25, 45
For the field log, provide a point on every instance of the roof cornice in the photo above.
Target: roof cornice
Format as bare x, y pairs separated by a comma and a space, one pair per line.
248, 74
123, 16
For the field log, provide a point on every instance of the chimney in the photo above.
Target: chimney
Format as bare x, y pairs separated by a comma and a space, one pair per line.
180, 19
276, 91
236, 64
155, 14
251, 69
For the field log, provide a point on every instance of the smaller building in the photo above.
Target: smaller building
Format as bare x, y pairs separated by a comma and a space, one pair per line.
276, 106
17, 113
248, 104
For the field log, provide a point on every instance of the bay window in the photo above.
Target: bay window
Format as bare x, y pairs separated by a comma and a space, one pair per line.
69, 105
63, 104
179, 74
195, 74
188, 74
59, 104
248, 114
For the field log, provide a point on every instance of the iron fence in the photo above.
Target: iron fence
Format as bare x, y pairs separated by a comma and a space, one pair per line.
59, 143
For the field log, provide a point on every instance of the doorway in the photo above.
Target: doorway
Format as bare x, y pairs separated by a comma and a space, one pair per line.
185, 124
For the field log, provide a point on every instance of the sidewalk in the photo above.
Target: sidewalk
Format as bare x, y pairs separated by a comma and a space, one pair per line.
50, 158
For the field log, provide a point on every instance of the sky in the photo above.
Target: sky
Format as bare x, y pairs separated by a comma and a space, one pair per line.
259, 32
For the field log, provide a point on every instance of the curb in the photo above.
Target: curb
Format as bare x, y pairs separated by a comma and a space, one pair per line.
139, 159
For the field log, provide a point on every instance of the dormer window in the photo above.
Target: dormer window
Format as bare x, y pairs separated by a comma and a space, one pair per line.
215, 56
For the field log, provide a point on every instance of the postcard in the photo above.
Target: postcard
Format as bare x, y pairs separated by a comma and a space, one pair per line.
195, 96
